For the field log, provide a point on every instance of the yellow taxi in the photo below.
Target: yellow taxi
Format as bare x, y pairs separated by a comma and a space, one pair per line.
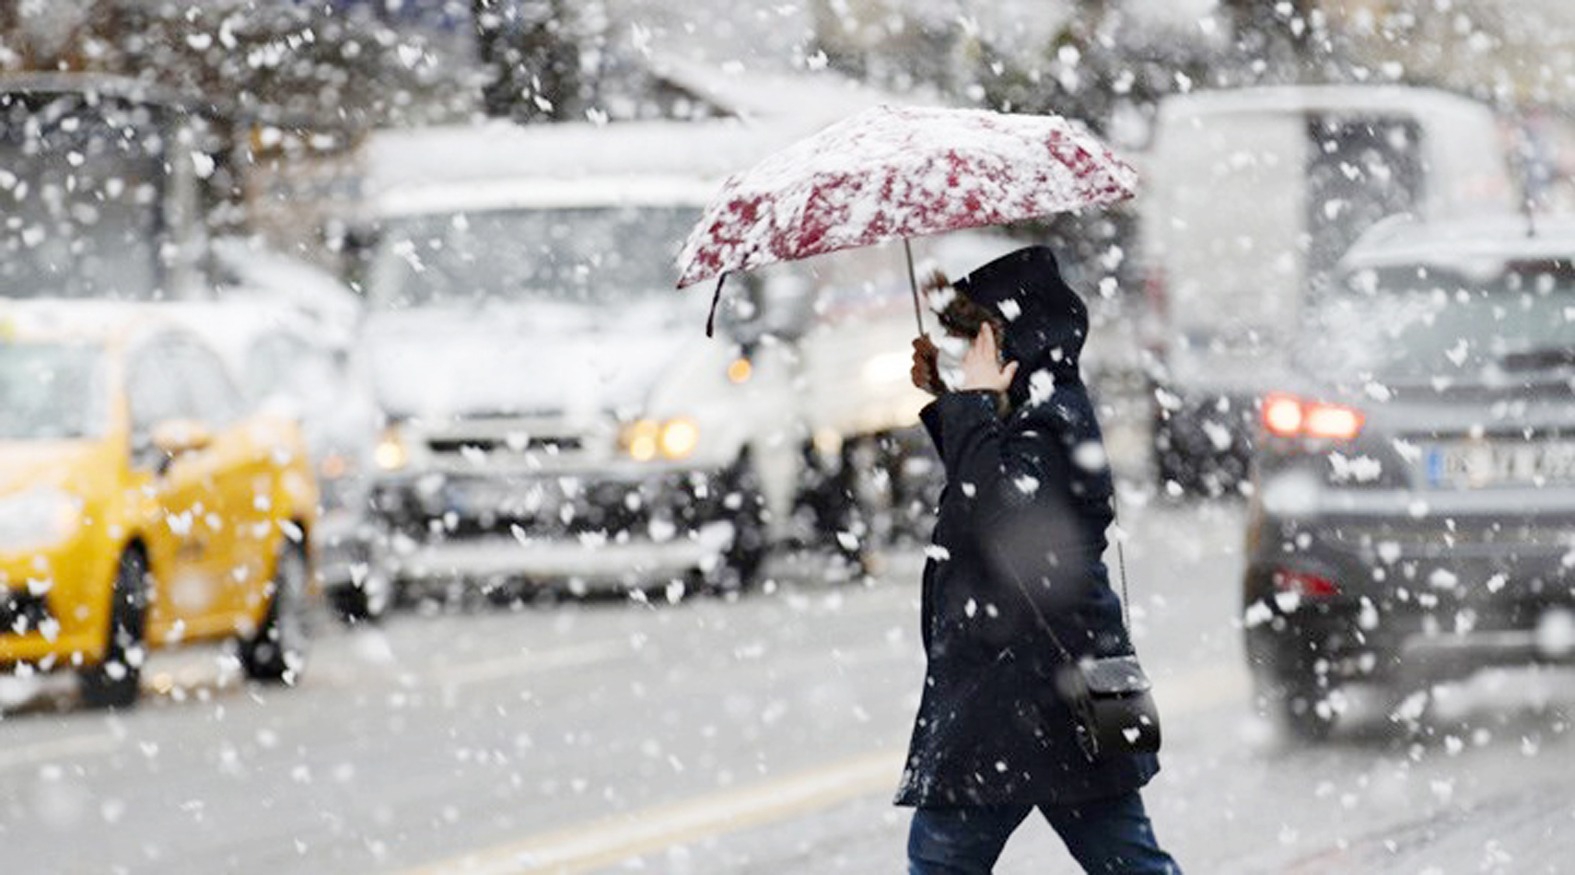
141, 506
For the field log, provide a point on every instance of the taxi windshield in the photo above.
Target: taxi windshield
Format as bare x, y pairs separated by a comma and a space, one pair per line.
51, 391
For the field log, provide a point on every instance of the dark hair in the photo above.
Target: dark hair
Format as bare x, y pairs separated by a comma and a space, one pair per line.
961, 316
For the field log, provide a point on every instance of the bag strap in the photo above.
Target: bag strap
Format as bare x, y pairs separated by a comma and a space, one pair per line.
1126, 604
1126, 617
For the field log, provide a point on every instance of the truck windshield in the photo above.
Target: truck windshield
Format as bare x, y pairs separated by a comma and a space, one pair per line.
1416, 322
51, 391
597, 255
80, 193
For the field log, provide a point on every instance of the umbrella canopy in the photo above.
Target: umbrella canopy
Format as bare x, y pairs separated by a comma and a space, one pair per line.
894, 172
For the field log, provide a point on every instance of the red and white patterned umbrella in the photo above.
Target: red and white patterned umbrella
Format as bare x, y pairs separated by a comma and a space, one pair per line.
894, 172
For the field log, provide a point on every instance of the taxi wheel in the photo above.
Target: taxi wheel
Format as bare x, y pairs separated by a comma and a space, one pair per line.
278, 650
115, 681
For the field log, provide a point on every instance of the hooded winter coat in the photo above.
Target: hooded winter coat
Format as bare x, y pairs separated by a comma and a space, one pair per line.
1023, 515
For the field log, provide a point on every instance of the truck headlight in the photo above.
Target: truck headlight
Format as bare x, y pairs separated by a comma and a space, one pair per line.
39, 517
679, 438
391, 453
673, 439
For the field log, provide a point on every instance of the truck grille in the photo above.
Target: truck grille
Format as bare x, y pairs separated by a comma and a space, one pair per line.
553, 507
513, 445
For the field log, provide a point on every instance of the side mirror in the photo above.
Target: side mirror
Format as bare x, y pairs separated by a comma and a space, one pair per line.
175, 437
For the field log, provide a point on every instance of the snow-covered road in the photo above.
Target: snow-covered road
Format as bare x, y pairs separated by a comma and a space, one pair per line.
761, 736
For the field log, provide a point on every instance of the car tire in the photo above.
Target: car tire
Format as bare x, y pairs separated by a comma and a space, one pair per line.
277, 651
740, 566
365, 602
115, 681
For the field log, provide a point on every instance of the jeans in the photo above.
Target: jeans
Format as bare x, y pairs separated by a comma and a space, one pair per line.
1105, 835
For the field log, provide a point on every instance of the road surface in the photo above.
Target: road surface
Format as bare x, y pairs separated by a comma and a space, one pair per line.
762, 735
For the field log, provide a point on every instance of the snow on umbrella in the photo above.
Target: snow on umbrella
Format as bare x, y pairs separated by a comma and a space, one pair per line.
893, 172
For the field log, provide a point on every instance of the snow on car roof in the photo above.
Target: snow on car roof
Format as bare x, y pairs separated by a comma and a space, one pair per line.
489, 153
267, 274
503, 194
230, 327
1319, 98
60, 319
1471, 246
812, 99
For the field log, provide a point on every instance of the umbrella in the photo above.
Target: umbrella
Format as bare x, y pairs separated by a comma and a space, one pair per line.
893, 172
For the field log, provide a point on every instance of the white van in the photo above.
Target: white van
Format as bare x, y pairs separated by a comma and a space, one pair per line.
1250, 197
554, 410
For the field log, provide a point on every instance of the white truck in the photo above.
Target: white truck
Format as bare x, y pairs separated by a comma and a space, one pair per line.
1250, 197
555, 413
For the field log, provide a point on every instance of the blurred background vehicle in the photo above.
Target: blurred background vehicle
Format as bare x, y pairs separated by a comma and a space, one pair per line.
1252, 195
122, 189
141, 504
112, 187
302, 357
291, 366
551, 413
554, 412
872, 477
1412, 520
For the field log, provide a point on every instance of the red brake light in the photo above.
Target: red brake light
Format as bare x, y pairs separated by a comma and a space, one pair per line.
1333, 421
1282, 415
1304, 584
1289, 416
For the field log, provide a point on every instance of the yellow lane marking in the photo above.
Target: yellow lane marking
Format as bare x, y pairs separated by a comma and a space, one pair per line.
604, 842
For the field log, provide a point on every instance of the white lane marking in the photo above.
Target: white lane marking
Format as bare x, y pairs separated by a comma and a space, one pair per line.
605, 842
528, 663
57, 749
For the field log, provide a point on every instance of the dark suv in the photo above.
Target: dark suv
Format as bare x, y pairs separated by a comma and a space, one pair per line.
1414, 510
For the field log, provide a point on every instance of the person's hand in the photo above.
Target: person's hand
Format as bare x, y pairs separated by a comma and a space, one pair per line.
925, 374
981, 366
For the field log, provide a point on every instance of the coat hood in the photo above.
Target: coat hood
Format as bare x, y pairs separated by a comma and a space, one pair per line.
1046, 322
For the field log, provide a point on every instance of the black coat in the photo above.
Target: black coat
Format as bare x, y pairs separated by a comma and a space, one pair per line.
1023, 516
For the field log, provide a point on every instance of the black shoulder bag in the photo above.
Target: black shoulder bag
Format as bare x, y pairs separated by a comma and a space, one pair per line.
1110, 697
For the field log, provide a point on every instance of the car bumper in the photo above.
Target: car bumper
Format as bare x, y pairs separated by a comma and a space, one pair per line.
593, 562
53, 602
600, 528
1437, 593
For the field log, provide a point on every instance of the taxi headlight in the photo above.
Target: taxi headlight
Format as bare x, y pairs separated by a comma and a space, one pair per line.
391, 453
673, 439
38, 518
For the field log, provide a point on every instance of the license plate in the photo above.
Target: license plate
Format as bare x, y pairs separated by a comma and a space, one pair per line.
501, 498
1479, 464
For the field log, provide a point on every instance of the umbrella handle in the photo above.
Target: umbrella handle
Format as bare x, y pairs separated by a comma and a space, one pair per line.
913, 283
716, 298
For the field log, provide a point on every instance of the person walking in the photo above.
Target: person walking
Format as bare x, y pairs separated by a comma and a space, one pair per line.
1028, 496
